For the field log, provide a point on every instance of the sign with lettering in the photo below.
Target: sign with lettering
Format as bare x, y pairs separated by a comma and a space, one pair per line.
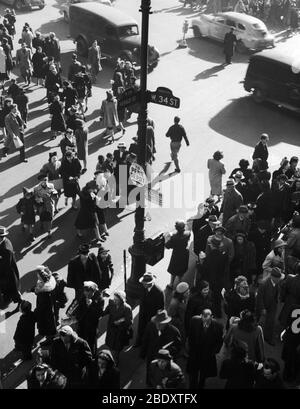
163, 96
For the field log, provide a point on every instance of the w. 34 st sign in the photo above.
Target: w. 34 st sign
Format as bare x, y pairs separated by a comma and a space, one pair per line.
163, 96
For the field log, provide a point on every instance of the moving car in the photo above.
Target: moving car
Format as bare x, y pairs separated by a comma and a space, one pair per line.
116, 33
251, 33
274, 76
24, 4
65, 6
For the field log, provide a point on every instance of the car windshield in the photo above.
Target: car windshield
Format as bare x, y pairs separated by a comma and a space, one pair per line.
126, 31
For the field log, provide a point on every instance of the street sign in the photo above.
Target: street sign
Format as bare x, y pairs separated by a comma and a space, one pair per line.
129, 97
163, 96
137, 175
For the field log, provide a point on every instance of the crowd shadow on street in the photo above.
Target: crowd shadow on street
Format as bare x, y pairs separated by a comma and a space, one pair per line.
281, 125
210, 72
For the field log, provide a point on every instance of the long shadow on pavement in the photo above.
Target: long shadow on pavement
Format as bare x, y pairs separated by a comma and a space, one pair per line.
283, 126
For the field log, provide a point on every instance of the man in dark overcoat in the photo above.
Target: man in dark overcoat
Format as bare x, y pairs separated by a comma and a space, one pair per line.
159, 333
267, 303
9, 273
83, 267
71, 356
229, 42
152, 300
205, 341
261, 150
201, 235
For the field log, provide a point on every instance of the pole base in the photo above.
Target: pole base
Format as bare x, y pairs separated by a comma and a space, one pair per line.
182, 44
138, 269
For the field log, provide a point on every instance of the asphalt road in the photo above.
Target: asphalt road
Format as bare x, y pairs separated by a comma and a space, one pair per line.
217, 114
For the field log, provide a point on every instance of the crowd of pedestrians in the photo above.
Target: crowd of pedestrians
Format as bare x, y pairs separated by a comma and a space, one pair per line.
234, 267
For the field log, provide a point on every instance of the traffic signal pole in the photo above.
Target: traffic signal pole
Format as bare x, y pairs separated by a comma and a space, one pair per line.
138, 266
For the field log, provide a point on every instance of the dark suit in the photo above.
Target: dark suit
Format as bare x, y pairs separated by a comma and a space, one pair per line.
261, 152
204, 344
267, 299
151, 302
78, 273
71, 362
168, 338
200, 238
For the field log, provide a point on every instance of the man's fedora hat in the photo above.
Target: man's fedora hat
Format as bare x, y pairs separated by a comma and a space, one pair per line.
147, 278
162, 317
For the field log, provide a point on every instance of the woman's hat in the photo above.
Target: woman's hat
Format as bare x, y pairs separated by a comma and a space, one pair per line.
3, 231
90, 285
164, 354
210, 200
279, 243
161, 317
121, 145
120, 294
147, 278
182, 288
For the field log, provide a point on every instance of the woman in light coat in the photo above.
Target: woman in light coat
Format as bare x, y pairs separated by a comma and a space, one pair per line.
216, 171
109, 114
276, 258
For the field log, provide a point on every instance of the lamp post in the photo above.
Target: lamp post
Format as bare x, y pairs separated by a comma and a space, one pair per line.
138, 266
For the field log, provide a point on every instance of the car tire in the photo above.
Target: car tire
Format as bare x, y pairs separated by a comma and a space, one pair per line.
241, 48
258, 94
81, 47
197, 32
66, 17
18, 5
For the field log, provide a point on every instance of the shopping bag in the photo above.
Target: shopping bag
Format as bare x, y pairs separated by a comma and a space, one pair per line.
17, 142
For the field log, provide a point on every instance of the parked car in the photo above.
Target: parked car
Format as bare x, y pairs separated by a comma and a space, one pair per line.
251, 33
65, 6
274, 76
24, 4
116, 32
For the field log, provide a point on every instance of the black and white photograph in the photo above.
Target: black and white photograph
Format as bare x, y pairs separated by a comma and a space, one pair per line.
150, 198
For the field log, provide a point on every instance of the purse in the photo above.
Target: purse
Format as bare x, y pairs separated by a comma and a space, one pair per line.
17, 142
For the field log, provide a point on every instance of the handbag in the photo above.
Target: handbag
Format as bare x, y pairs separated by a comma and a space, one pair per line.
57, 183
17, 142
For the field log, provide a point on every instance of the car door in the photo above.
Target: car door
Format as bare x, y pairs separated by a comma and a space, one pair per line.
217, 28
292, 83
